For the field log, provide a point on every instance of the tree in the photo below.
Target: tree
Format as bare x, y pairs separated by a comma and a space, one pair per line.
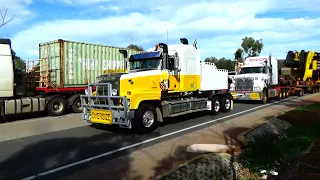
222, 63
4, 20
238, 55
19, 63
251, 46
135, 47
211, 59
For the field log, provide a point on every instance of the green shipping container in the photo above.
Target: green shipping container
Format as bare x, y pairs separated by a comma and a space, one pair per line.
71, 64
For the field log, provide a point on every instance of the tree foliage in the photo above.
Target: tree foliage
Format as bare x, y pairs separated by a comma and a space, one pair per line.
249, 48
135, 47
222, 63
19, 62
238, 55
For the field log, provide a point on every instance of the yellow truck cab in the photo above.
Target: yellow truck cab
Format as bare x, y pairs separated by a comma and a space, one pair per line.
167, 82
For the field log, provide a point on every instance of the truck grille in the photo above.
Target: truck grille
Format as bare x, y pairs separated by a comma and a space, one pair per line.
244, 84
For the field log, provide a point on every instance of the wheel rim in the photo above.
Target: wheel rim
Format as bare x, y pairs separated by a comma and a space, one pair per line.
216, 106
227, 104
148, 118
78, 104
57, 107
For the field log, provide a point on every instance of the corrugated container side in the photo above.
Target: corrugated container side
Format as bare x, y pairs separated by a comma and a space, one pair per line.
81, 62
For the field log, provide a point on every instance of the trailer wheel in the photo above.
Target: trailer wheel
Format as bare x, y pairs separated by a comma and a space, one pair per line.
286, 93
57, 106
215, 105
283, 93
279, 97
75, 103
225, 103
264, 97
145, 120
301, 92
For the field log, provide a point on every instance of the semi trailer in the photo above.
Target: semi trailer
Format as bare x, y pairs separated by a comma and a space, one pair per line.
55, 82
261, 78
167, 82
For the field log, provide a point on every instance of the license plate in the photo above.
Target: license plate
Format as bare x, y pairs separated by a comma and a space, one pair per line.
254, 96
101, 116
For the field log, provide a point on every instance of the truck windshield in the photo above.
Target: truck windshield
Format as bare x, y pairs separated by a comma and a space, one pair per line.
145, 64
248, 70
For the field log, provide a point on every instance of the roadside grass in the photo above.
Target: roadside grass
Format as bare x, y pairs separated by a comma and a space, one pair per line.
271, 153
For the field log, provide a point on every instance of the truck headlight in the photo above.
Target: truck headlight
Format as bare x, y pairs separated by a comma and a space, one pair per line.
114, 92
257, 88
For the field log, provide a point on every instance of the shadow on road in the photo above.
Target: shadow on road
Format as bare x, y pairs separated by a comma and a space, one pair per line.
49, 154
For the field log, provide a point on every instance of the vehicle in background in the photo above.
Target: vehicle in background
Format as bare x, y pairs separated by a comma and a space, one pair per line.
55, 82
261, 78
167, 82
231, 74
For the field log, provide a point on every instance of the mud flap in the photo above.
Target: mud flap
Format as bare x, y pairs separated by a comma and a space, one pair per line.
159, 115
231, 105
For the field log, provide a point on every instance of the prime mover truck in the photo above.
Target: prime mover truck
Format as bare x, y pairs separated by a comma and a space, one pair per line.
167, 82
261, 78
55, 81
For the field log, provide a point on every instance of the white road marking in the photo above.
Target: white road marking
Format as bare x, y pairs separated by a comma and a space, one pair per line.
147, 141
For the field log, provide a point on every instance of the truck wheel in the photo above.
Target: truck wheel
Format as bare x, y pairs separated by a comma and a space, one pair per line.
283, 93
301, 92
286, 93
57, 106
279, 97
145, 120
215, 105
264, 97
75, 102
225, 103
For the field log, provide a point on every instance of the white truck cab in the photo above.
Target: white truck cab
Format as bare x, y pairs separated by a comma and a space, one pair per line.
6, 69
255, 77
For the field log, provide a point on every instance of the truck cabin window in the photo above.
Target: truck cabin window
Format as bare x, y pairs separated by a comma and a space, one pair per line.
249, 70
145, 64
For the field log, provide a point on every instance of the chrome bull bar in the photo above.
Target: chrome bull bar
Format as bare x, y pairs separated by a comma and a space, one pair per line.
118, 105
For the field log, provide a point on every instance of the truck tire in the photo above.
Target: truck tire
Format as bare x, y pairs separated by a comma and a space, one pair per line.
264, 97
225, 103
286, 93
283, 93
75, 103
145, 120
215, 105
57, 106
301, 92
279, 97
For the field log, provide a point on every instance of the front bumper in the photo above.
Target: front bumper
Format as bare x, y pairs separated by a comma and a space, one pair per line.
248, 95
101, 108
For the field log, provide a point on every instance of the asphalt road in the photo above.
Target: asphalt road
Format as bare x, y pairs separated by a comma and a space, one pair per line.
25, 157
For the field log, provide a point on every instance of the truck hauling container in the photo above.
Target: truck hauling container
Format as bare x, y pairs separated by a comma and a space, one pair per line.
167, 82
261, 79
58, 78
